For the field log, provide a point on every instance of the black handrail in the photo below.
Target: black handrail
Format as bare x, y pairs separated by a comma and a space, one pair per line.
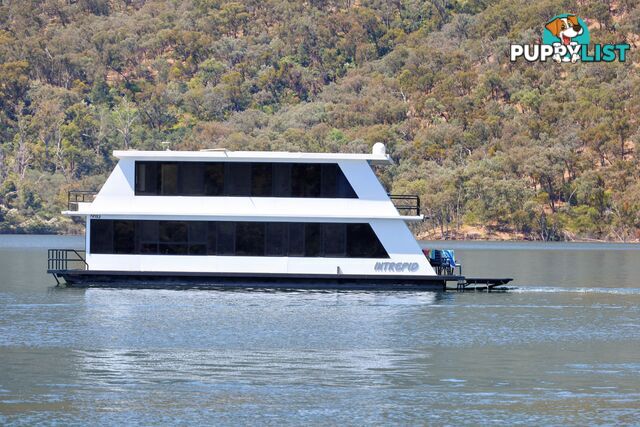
406, 204
59, 259
79, 196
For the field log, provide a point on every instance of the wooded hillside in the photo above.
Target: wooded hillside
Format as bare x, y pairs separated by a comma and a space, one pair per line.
529, 150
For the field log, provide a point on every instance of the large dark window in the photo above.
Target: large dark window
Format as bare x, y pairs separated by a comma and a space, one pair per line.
198, 237
174, 238
362, 242
212, 238
169, 179
294, 239
281, 176
335, 239
214, 179
191, 181
259, 179
237, 179
313, 239
306, 180
101, 236
226, 238
344, 190
124, 233
147, 178
147, 242
277, 239
250, 239
262, 179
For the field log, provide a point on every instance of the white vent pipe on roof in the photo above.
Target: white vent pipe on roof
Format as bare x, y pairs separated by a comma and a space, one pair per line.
379, 149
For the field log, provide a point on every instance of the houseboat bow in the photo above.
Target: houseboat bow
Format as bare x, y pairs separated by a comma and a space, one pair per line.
218, 218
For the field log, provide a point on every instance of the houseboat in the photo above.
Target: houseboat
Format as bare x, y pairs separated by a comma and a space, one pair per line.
219, 218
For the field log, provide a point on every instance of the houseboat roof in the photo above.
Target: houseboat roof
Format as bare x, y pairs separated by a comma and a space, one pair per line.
375, 158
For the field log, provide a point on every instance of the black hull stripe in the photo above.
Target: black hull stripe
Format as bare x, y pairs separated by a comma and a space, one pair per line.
182, 280
187, 280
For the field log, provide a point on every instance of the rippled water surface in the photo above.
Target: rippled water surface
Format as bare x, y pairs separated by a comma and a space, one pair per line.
561, 347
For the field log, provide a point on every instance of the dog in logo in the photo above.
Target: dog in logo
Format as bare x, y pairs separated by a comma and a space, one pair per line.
565, 29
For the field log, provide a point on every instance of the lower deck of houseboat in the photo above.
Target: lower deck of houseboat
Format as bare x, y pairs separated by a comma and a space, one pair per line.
190, 280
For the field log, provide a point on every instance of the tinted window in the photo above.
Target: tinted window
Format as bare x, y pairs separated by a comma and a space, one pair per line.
260, 179
169, 179
147, 237
123, 237
282, 179
101, 236
173, 231
343, 188
173, 238
250, 239
362, 242
329, 180
198, 237
296, 239
335, 240
313, 240
226, 238
212, 235
276, 239
231, 238
306, 180
147, 178
237, 179
213, 179
191, 180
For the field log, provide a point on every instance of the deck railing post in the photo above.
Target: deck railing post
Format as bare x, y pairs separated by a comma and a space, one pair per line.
74, 197
406, 203
60, 259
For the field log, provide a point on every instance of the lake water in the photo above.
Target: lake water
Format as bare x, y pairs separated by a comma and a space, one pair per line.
562, 347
